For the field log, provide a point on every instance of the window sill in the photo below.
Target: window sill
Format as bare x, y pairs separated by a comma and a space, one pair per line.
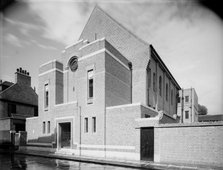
90, 101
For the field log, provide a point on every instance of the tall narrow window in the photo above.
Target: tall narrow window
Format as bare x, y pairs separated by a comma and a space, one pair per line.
35, 111
186, 114
178, 99
90, 84
93, 124
44, 127
154, 81
160, 86
167, 92
149, 77
86, 125
46, 95
171, 96
48, 127
186, 98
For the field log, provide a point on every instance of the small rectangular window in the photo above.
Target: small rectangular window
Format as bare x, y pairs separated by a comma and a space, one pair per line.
186, 114
35, 111
44, 127
46, 96
48, 127
94, 124
11, 109
86, 125
186, 98
147, 116
90, 84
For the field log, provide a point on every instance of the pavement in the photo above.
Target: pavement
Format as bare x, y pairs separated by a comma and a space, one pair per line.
50, 153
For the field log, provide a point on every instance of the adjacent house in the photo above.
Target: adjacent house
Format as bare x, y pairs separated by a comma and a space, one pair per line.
187, 108
104, 95
17, 102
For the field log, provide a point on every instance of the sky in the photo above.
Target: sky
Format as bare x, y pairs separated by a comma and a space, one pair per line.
187, 36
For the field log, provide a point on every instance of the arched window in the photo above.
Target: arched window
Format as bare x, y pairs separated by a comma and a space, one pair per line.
167, 92
160, 86
149, 77
171, 96
154, 81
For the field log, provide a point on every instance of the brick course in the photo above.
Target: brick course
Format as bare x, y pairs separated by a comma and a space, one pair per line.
199, 143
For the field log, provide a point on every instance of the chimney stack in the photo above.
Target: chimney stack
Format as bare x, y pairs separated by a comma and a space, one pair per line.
22, 77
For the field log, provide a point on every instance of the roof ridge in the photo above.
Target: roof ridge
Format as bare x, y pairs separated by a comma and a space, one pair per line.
117, 22
7, 88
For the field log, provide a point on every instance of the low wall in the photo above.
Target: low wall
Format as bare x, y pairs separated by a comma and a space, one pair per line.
5, 136
197, 143
121, 131
5, 124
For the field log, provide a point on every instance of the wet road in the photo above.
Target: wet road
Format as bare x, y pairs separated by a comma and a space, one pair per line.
14, 162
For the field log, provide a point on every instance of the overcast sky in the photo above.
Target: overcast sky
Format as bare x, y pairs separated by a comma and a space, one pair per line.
187, 36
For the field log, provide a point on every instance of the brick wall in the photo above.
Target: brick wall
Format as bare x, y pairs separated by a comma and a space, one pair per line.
3, 109
126, 43
121, 128
117, 83
5, 124
199, 143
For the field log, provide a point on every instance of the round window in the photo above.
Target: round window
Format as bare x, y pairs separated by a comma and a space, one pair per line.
73, 63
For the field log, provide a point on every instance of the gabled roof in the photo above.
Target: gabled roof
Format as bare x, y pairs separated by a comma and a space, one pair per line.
20, 94
7, 83
128, 44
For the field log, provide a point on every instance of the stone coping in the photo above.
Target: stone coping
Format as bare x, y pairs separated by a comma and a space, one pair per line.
195, 124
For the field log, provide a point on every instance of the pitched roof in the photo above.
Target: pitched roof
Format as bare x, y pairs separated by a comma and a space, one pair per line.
20, 94
128, 44
7, 83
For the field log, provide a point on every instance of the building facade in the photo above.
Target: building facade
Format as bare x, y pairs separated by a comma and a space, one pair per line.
187, 108
17, 102
96, 99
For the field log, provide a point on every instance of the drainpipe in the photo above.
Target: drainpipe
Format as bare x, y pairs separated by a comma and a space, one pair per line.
157, 89
130, 67
105, 128
182, 105
191, 107
80, 129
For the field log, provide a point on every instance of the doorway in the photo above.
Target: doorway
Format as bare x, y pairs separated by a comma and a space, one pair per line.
147, 144
65, 135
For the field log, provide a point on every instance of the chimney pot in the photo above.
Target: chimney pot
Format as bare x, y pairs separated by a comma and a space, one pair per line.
20, 69
17, 69
27, 73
